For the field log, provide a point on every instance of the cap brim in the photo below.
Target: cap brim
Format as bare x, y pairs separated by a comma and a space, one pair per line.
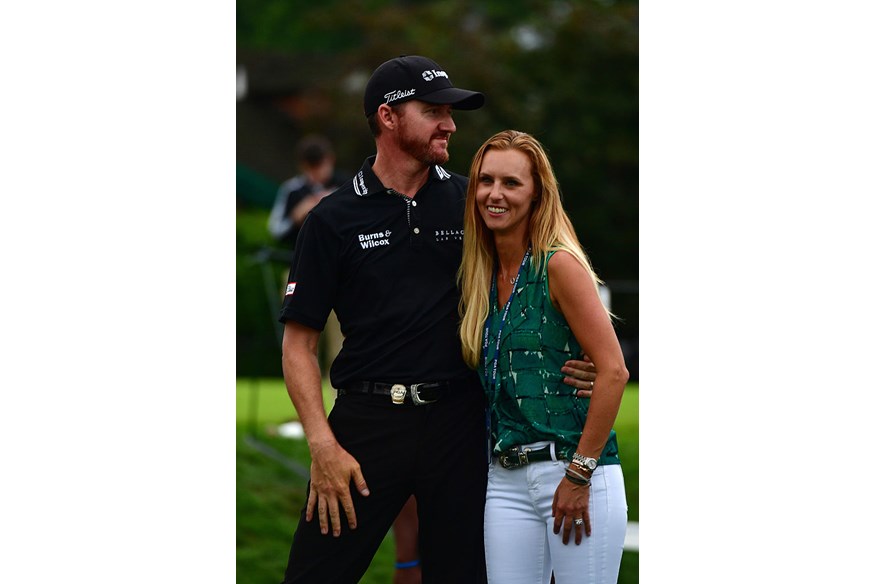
459, 98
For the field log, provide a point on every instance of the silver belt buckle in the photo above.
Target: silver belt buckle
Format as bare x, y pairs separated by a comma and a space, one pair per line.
398, 391
415, 395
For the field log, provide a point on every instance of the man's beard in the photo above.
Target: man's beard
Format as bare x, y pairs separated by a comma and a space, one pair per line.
422, 150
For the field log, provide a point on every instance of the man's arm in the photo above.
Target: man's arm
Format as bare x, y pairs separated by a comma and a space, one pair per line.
332, 467
279, 224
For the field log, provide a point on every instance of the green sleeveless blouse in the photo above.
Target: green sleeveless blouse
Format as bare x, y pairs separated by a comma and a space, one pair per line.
530, 402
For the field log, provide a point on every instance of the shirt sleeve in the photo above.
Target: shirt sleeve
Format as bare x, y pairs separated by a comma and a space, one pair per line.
313, 277
280, 224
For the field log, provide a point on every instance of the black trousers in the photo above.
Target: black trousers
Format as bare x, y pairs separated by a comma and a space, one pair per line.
436, 452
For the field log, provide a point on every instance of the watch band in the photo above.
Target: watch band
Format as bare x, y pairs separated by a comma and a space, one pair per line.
585, 462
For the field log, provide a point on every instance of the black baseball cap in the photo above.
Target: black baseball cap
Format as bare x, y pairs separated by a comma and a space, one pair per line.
412, 77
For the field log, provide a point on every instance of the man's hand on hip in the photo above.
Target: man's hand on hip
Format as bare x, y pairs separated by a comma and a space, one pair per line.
331, 472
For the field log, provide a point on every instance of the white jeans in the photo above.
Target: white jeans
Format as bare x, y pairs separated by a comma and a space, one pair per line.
521, 547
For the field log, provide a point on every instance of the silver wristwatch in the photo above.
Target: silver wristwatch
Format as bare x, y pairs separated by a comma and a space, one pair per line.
584, 462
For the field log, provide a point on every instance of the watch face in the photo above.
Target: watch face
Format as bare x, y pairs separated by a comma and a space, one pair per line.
591, 463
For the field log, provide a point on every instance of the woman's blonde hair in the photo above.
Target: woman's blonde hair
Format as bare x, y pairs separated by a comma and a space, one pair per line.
549, 229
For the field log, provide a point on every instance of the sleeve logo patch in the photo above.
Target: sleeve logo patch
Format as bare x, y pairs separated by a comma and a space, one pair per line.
290, 288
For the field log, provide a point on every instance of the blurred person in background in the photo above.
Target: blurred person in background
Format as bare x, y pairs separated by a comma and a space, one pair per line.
407, 552
316, 178
530, 302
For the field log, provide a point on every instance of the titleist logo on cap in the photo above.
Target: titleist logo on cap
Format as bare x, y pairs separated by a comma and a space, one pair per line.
399, 94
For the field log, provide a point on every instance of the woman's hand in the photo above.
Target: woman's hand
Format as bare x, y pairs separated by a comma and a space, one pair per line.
571, 502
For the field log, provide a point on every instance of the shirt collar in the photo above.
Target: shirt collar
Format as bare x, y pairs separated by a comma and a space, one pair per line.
366, 183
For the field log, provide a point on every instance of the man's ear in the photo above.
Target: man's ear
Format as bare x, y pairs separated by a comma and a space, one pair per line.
386, 117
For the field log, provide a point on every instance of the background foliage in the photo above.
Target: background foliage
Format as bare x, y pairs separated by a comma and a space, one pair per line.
565, 71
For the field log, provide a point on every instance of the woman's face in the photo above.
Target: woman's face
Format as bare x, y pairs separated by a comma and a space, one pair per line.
505, 191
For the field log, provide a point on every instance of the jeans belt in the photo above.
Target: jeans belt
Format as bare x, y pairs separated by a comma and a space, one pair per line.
518, 456
418, 394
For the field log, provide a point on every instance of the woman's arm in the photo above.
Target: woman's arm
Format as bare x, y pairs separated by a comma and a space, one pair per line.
576, 298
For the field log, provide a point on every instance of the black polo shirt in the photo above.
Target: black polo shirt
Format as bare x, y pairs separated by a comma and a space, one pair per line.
386, 264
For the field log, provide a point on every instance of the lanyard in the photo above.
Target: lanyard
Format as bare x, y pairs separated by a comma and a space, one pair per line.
490, 376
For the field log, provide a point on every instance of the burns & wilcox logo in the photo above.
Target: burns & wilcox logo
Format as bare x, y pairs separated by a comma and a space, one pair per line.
378, 239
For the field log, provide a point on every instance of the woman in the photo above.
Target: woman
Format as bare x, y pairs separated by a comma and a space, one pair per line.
530, 301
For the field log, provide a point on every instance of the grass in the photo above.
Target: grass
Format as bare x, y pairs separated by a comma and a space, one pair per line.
270, 495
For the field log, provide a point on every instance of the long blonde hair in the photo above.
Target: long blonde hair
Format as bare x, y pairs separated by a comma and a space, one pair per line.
549, 227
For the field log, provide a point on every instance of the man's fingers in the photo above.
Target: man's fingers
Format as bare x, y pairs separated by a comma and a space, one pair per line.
578, 377
350, 512
577, 370
335, 515
311, 503
581, 388
322, 511
359, 481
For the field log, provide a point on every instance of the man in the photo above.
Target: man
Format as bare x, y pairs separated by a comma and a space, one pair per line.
383, 252
317, 177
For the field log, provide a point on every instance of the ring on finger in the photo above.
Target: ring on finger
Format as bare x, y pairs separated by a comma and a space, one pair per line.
579, 521
592, 383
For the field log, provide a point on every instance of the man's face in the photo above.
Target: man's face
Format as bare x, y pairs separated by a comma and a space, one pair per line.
424, 131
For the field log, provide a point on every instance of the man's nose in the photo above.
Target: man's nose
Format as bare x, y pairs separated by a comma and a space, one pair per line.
447, 124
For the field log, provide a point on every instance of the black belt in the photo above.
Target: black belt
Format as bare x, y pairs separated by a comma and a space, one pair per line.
416, 393
517, 456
